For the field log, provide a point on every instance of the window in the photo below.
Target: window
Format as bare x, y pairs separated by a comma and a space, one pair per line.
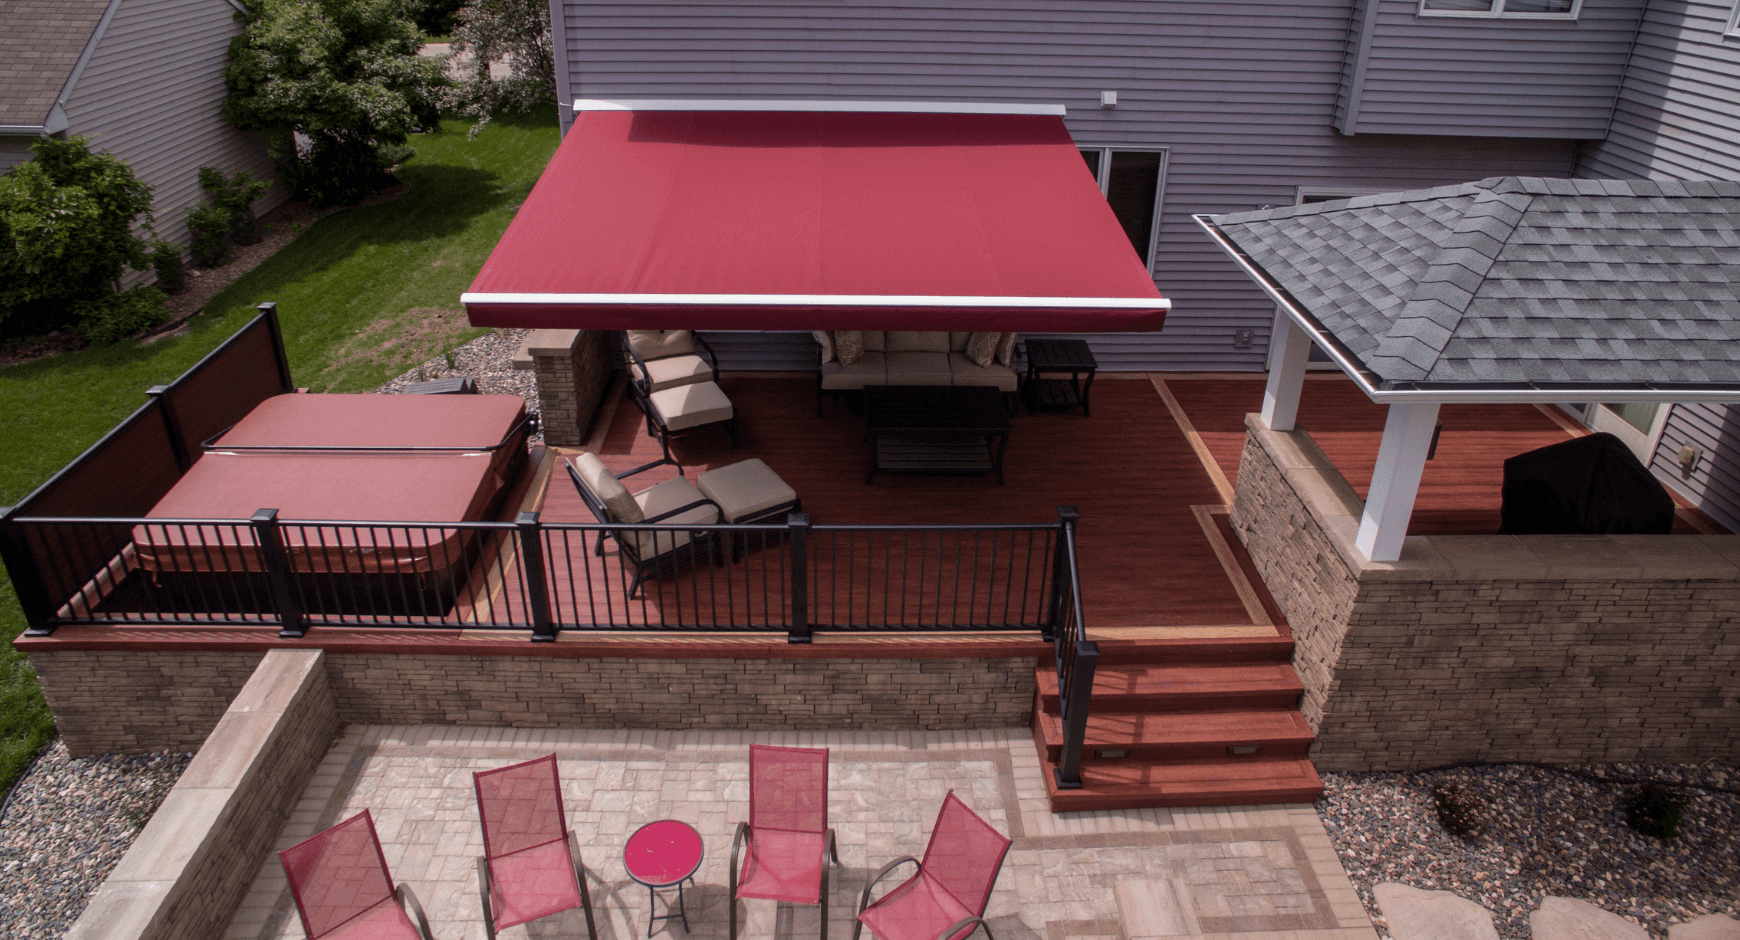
1520, 9
1734, 22
1133, 181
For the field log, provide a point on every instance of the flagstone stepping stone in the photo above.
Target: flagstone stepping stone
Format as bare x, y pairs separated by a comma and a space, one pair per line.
1414, 914
1571, 919
1707, 927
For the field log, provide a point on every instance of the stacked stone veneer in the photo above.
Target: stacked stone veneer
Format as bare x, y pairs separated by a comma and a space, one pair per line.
175, 696
573, 372
1550, 648
190, 867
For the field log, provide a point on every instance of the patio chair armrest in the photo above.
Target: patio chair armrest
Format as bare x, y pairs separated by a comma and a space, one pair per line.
742, 835
574, 856
829, 849
953, 931
864, 899
483, 892
408, 903
701, 342
662, 461
685, 508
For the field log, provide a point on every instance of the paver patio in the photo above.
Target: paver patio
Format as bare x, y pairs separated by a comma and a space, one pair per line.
1253, 873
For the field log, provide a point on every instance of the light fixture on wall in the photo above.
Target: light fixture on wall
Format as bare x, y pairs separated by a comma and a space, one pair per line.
1689, 457
1108, 99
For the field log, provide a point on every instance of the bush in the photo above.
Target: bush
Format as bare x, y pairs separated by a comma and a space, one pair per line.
166, 261
114, 317
66, 232
513, 31
1458, 812
235, 195
208, 226
1655, 810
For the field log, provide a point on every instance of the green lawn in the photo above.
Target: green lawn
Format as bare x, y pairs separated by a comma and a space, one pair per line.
362, 296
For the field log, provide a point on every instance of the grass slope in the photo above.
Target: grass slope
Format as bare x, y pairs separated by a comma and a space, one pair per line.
362, 296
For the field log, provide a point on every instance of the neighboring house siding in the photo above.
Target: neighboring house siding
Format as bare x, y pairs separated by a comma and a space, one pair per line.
1242, 95
1489, 77
1678, 118
152, 95
13, 151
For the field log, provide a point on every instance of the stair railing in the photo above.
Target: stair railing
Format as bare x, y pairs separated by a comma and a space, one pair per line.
1075, 654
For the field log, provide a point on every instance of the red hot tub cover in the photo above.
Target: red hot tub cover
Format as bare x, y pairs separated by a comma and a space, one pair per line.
796, 220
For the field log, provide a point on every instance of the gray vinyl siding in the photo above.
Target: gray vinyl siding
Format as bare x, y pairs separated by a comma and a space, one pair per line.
1242, 94
13, 151
1678, 118
152, 95
1501, 77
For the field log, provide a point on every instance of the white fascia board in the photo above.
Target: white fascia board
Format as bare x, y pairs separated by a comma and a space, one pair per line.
821, 300
23, 130
1509, 394
897, 107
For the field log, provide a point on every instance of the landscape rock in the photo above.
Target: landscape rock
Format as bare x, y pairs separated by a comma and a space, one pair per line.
1707, 927
1571, 919
1414, 914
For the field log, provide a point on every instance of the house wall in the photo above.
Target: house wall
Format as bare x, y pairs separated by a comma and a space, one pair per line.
1566, 649
1678, 118
1241, 95
152, 95
1503, 77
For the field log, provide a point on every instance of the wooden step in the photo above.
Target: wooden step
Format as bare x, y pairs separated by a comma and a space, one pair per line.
1148, 689
1229, 782
1197, 650
1190, 735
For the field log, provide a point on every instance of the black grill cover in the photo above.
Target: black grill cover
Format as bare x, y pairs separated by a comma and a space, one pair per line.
1589, 485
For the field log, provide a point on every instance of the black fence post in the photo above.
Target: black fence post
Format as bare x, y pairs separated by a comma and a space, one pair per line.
280, 581
537, 592
27, 580
1077, 656
171, 425
798, 524
269, 310
1067, 517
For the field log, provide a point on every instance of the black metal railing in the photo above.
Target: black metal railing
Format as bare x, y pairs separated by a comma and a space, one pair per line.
1076, 655
795, 578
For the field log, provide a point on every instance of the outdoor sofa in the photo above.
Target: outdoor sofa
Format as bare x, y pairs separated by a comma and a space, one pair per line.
849, 360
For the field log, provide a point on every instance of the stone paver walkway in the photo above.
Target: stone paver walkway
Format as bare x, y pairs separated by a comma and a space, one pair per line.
1250, 873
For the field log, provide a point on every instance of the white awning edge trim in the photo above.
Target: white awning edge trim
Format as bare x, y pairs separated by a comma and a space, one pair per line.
822, 300
898, 107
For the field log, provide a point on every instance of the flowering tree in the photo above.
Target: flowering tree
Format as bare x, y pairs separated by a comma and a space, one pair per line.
516, 32
337, 85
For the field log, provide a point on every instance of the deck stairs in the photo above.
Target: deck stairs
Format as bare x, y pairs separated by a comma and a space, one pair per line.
1192, 722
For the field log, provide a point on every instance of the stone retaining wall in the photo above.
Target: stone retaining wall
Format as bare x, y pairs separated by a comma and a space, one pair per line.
1491, 648
134, 701
190, 867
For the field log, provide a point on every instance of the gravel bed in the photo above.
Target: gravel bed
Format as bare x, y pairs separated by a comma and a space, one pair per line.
67, 824
490, 360
1541, 832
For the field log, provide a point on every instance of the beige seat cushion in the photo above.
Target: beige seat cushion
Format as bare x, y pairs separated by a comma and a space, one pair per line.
917, 341
609, 490
874, 340
745, 489
673, 371
690, 406
663, 498
958, 341
919, 368
657, 344
967, 372
872, 369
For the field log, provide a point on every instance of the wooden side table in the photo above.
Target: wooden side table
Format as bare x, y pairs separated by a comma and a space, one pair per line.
1054, 358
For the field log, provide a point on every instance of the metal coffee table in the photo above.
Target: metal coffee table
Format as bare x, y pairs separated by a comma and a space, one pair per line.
935, 429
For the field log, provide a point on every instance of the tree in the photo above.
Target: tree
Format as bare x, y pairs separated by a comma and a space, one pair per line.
516, 32
337, 86
66, 236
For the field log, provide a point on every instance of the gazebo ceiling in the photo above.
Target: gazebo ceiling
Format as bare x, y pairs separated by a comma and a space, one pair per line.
1513, 288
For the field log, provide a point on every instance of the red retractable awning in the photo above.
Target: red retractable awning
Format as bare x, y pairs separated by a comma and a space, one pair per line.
788, 220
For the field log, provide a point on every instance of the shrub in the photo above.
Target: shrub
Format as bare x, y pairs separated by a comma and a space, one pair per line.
114, 317
513, 31
1655, 810
235, 195
166, 261
208, 225
1458, 811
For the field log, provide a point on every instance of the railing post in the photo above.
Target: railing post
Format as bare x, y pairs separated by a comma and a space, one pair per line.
537, 593
798, 537
1067, 517
1077, 656
26, 578
171, 426
280, 582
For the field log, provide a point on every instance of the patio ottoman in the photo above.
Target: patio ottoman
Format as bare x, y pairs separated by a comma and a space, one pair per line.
748, 491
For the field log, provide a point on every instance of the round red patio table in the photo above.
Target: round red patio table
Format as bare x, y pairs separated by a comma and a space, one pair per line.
664, 854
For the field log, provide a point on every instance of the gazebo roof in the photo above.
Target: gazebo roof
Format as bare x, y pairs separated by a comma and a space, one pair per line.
1512, 285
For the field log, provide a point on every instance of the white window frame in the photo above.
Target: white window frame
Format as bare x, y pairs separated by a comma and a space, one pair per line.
1105, 181
1497, 11
1733, 29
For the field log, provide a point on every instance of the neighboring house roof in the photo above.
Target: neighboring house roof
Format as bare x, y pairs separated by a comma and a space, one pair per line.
41, 42
1513, 283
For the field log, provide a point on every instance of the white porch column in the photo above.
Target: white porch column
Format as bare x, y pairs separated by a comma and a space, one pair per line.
1291, 350
1396, 480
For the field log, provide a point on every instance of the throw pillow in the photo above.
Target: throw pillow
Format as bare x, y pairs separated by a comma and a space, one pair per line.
849, 346
827, 340
1006, 350
982, 348
617, 500
657, 344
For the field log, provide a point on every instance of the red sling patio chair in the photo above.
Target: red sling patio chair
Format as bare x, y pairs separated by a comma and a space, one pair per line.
530, 867
790, 844
343, 891
946, 898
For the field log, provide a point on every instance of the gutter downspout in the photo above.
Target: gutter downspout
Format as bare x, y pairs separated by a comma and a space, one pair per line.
559, 50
